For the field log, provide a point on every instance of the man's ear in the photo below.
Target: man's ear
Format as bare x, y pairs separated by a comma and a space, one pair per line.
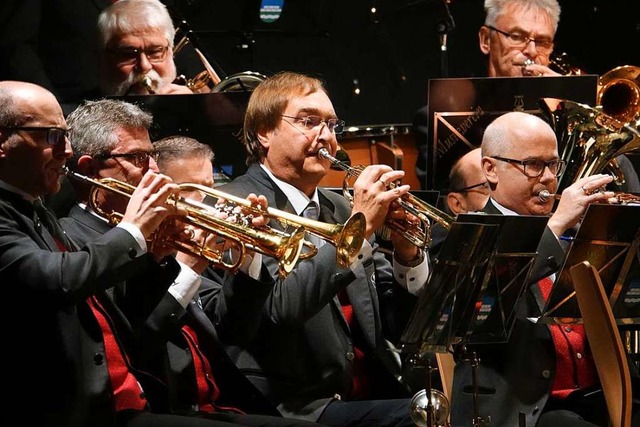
484, 38
263, 138
489, 167
456, 203
86, 166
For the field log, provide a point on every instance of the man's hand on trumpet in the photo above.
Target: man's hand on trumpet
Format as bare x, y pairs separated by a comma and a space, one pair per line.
405, 252
373, 194
214, 243
576, 198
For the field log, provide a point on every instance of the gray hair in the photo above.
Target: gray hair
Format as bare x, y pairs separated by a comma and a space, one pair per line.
127, 16
495, 8
180, 147
95, 125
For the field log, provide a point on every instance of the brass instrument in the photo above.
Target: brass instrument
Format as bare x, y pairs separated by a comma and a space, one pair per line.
286, 248
420, 411
208, 80
619, 94
420, 236
588, 139
619, 197
347, 238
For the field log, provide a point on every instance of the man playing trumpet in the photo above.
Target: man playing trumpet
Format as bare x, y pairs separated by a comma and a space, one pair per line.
321, 352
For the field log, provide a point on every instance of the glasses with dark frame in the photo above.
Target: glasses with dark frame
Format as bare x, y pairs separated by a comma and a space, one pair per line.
533, 168
521, 40
481, 185
129, 56
139, 159
55, 135
310, 122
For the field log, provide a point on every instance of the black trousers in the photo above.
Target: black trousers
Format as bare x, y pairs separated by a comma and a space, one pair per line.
218, 419
368, 413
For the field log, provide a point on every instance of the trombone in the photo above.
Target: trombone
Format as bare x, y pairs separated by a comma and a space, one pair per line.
420, 236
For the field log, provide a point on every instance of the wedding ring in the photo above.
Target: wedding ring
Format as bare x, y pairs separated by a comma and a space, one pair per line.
584, 188
382, 182
528, 62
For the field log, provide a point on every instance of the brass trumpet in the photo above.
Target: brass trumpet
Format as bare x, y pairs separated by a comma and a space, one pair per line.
347, 238
419, 236
620, 198
286, 248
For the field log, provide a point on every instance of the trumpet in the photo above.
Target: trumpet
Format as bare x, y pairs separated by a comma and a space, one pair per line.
286, 248
619, 197
420, 236
347, 237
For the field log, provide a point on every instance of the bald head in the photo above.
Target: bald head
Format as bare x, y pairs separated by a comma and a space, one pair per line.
24, 102
512, 130
30, 159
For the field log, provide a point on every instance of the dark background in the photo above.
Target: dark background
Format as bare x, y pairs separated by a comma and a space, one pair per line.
391, 54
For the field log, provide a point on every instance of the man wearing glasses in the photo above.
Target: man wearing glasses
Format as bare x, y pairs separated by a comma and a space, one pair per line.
320, 353
543, 372
136, 39
518, 35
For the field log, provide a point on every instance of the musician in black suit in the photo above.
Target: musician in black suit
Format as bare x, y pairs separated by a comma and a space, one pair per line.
174, 339
545, 372
67, 344
321, 352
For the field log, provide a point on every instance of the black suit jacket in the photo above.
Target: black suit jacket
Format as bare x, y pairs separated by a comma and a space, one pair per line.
58, 349
156, 319
302, 356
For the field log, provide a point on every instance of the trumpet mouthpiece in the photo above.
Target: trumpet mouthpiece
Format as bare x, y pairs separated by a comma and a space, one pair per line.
545, 195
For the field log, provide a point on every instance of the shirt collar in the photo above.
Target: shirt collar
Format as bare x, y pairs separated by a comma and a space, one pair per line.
502, 209
297, 198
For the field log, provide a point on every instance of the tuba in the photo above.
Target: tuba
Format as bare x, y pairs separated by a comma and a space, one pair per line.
589, 140
618, 97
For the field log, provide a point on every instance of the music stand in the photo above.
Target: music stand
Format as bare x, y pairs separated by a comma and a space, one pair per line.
608, 238
477, 282
462, 262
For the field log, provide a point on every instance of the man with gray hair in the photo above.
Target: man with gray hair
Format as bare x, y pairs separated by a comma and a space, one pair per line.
136, 56
518, 35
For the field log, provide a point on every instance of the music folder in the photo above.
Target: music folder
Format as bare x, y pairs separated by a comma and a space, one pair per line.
459, 109
477, 282
608, 238
214, 119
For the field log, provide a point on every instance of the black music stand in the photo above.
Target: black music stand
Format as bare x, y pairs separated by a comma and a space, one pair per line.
214, 119
489, 315
477, 282
609, 239
461, 264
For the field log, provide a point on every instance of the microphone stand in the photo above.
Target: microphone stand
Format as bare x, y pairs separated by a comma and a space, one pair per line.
444, 27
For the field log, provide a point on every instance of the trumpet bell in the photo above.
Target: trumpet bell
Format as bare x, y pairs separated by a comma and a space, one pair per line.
420, 409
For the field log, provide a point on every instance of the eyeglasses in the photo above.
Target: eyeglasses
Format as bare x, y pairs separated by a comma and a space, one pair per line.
55, 135
484, 185
129, 56
519, 40
310, 122
140, 159
533, 168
